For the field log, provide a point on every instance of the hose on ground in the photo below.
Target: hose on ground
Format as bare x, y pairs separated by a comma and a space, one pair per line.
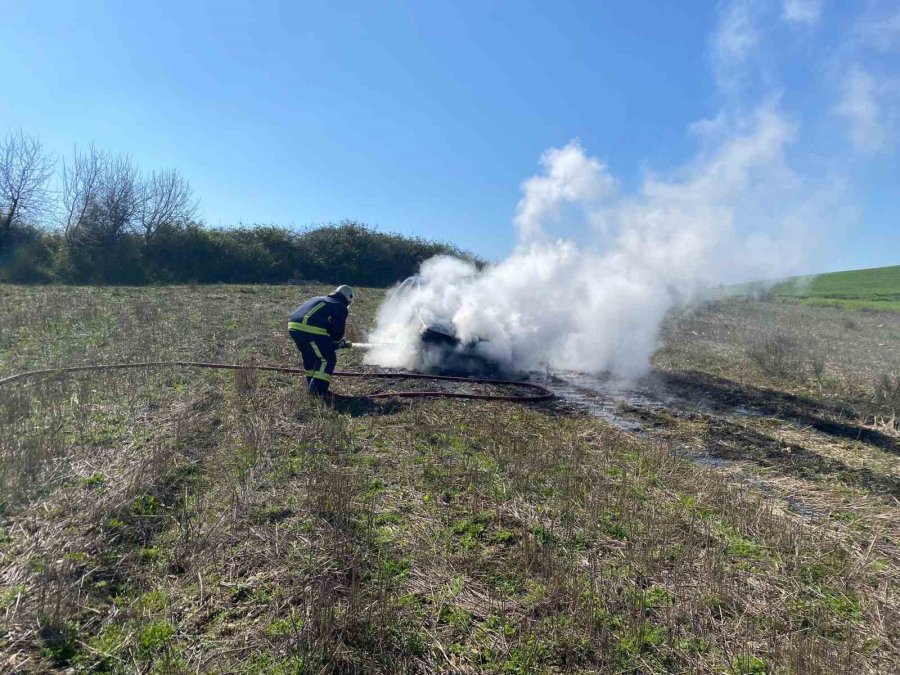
541, 393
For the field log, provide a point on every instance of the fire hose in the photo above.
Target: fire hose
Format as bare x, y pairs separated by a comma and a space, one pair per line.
541, 393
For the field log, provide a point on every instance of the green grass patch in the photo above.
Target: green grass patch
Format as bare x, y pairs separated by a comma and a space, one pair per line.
877, 289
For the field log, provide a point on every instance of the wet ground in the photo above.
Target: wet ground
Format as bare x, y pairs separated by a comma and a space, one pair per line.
641, 405
814, 456
621, 404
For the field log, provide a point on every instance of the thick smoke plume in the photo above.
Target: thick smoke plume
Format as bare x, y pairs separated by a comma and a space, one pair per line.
594, 299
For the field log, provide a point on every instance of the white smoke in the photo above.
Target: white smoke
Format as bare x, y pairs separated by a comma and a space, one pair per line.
595, 301
596, 267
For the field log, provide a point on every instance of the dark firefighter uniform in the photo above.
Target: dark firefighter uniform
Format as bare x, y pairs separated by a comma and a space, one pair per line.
317, 327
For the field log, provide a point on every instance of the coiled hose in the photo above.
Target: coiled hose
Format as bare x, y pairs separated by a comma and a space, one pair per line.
541, 393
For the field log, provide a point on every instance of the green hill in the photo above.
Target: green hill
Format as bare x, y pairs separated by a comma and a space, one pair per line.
876, 288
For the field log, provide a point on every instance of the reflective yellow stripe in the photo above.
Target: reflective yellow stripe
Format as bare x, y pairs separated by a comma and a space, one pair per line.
305, 328
317, 351
313, 311
320, 374
310, 373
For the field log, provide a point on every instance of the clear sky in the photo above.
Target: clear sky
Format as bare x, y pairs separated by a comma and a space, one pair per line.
426, 117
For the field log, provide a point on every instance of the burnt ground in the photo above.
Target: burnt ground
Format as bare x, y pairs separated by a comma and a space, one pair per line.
810, 438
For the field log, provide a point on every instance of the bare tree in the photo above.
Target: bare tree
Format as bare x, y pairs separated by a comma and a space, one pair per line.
120, 197
105, 196
102, 196
25, 170
82, 186
167, 197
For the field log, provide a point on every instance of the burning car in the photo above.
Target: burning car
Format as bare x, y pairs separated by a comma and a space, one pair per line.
440, 350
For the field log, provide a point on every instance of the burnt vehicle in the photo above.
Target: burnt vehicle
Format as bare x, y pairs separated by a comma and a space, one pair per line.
440, 349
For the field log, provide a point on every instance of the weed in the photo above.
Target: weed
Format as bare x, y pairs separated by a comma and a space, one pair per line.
96, 480
395, 570
156, 636
60, 642
9, 597
455, 616
146, 505
747, 664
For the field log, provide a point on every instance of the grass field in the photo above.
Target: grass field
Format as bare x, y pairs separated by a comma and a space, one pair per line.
183, 521
877, 289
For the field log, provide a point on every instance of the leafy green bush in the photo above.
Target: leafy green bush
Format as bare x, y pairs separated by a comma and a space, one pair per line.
29, 260
347, 252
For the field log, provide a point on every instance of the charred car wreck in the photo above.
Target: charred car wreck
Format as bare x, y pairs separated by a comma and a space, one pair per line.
440, 350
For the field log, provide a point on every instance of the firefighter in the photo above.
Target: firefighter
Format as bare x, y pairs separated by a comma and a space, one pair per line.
317, 328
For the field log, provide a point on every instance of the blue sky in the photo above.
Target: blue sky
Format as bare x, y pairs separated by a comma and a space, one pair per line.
426, 117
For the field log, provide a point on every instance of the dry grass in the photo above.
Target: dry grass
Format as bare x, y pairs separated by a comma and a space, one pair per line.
886, 400
182, 521
830, 354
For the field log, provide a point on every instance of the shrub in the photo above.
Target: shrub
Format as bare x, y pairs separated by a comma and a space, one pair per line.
886, 398
347, 252
818, 362
29, 259
777, 354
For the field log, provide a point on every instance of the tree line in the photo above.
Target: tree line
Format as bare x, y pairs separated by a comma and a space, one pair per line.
98, 218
